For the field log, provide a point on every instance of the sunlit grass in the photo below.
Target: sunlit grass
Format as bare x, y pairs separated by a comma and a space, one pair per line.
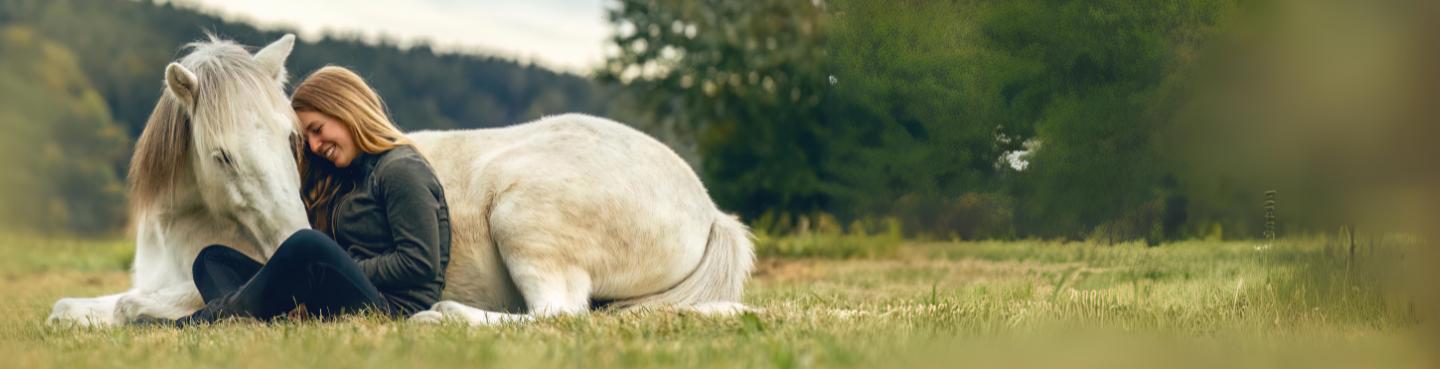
38, 254
987, 304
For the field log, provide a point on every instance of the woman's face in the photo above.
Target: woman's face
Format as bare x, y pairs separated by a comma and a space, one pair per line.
328, 138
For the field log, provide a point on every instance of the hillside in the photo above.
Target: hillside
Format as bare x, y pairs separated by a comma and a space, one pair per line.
60, 143
79, 77
123, 46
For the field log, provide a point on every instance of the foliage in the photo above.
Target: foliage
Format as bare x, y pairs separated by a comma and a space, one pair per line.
826, 238
60, 144
911, 117
922, 103
969, 216
1100, 80
744, 76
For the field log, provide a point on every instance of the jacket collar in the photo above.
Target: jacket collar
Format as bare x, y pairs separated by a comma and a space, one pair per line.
365, 164
362, 166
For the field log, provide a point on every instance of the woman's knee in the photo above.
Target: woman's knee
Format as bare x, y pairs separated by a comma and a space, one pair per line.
306, 236
306, 244
213, 254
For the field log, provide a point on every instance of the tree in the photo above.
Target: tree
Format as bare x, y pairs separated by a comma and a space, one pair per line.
911, 113
1100, 81
745, 77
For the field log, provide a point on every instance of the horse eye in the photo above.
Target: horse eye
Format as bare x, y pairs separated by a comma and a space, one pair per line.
223, 157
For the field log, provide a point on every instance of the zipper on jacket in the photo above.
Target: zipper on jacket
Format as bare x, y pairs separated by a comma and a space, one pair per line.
335, 209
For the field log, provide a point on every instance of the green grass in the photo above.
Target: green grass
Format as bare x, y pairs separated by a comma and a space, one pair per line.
941, 305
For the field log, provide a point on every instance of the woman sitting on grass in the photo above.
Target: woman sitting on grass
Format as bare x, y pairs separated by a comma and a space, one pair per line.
381, 237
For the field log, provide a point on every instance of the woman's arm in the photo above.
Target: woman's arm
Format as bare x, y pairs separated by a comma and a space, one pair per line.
411, 195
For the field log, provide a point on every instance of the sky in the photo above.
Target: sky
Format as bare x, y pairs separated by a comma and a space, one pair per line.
566, 35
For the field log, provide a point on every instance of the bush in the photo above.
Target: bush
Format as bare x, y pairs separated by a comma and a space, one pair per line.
825, 238
1137, 223
969, 216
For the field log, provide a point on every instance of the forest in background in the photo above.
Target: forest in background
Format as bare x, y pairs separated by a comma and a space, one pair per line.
960, 119
1106, 120
78, 78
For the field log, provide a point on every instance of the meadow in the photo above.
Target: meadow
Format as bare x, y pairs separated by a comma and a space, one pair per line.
1309, 303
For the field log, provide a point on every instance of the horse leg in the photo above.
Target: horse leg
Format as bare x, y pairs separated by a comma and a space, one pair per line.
451, 310
550, 289
170, 302
87, 312
544, 247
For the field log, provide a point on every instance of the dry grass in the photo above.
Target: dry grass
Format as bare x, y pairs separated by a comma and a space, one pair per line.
1019, 304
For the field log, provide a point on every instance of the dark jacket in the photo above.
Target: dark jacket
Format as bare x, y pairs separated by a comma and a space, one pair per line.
392, 218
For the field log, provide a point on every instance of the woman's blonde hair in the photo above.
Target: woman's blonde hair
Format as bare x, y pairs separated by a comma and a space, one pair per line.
341, 94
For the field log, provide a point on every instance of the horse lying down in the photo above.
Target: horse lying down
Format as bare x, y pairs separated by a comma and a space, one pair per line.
546, 216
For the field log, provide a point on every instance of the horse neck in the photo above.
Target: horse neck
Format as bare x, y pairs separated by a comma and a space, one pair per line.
167, 244
176, 226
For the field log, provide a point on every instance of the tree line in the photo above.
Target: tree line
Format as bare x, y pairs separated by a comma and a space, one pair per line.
961, 119
957, 119
81, 76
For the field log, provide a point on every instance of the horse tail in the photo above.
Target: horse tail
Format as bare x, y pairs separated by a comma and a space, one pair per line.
720, 277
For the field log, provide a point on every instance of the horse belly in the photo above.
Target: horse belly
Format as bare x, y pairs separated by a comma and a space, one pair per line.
476, 275
644, 267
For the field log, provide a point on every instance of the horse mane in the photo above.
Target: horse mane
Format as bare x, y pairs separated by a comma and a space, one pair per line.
162, 150
226, 73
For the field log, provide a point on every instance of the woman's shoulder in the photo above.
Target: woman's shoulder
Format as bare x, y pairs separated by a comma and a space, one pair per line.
400, 152
404, 164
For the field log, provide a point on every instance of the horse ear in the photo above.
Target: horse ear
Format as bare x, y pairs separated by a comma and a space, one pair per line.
272, 57
181, 83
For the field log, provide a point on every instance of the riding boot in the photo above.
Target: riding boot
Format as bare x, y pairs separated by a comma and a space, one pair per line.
214, 310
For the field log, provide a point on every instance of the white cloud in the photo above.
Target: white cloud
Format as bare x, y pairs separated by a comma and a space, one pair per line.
563, 34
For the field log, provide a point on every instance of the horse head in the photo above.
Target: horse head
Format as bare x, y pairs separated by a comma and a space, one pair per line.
221, 141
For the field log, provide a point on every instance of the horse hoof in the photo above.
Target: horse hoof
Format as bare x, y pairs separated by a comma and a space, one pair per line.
64, 312
78, 312
427, 317
720, 308
130, 308
448, 307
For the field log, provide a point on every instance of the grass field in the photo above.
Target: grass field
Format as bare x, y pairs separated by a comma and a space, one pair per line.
1295, 304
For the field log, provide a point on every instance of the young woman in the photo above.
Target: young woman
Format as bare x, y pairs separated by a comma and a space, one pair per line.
381, 237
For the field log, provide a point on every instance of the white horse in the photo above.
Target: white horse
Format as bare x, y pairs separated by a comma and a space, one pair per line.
547, 217
551, 215
214, 165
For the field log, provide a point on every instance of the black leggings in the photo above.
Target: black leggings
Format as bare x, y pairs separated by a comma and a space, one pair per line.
308, 268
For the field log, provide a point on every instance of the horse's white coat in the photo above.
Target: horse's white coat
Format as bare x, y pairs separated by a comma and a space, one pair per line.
552, 214
546, 216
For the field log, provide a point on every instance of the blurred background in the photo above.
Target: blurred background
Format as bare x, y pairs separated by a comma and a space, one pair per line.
1211, 183
1100, 120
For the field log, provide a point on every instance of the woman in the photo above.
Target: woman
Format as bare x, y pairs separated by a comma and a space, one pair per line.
381, 238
